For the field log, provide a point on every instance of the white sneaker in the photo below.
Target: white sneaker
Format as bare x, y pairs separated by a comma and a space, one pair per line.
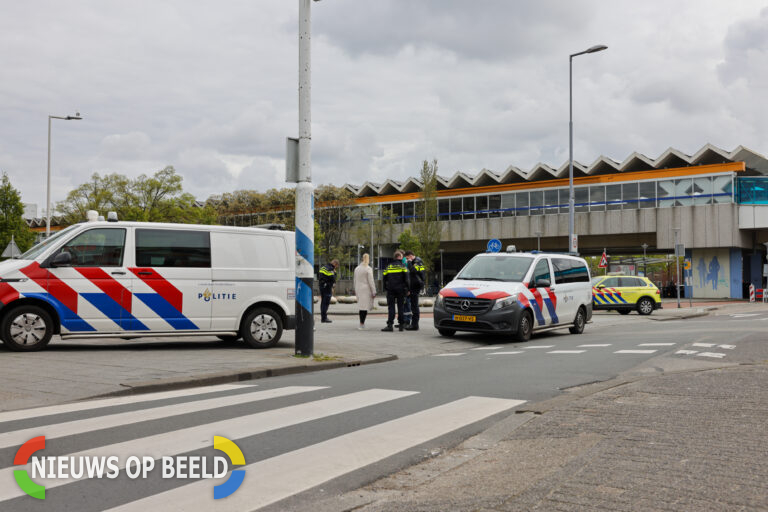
361, 328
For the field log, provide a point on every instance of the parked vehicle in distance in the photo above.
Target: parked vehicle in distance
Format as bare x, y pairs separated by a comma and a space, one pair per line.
135, 279
625, 294
516, 294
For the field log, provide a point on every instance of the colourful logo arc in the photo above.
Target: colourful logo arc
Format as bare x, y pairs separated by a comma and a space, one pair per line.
236, 478
21, 459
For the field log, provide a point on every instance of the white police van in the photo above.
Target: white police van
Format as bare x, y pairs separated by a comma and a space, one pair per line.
134, 279
517, 294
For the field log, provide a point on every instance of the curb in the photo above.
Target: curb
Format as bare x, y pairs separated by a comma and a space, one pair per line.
209, 379
693, 314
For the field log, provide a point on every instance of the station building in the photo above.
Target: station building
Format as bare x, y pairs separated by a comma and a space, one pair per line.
715, 200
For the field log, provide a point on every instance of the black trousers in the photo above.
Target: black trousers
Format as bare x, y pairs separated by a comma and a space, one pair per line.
395, 299
414, 300
325, 301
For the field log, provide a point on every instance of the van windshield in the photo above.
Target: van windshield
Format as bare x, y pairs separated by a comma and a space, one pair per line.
496, 268
38, 249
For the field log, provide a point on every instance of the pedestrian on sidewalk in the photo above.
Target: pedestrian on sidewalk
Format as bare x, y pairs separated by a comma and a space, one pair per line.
326, 278
396, 284
365, 289
416, 274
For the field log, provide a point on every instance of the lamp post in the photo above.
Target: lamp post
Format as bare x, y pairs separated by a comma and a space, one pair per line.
75, 117
441, 268
572, 245
645, 264
538, 241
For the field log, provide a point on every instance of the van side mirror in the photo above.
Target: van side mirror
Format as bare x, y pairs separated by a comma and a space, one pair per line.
543, 283
63, 259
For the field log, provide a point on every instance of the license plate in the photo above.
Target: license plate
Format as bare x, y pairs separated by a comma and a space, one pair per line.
464, 318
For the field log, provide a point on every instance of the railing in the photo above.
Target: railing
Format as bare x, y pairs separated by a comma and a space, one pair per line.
752, 190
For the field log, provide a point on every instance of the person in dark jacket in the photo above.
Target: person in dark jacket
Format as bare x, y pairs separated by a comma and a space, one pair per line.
417, 275
326, 279
396, 284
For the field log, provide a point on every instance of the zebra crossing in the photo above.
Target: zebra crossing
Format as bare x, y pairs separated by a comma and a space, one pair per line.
268, 480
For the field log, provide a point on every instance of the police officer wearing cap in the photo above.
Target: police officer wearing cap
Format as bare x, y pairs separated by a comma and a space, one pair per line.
416, 273
396, 284
326, 278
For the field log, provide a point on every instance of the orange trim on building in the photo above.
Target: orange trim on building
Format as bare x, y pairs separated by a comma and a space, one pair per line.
622, 177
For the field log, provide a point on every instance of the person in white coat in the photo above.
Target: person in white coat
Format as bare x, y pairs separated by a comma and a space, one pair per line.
365, 289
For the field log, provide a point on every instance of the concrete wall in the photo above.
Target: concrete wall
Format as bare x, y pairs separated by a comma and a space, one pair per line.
712, 273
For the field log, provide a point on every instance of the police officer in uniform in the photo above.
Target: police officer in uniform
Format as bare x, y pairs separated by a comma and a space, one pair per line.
416, 273
396, 284
326, 278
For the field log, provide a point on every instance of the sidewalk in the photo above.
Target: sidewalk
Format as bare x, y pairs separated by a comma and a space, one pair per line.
680, 440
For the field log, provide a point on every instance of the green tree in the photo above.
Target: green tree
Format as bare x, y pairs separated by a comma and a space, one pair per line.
427, 228
11, 218
334, 211
101, 193
408, 242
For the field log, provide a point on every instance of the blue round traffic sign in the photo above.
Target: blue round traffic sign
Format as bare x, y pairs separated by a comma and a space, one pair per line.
494, 245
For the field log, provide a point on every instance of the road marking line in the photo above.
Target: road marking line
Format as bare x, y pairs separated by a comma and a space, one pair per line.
69, 428
596, 345
687, 352
504, 353
201, 436
656, 344
487, 348
707, 345
635, 351
539, 346
450, 354
718, 355
566, 351
727, 347
744, 315
271, 480
25, 414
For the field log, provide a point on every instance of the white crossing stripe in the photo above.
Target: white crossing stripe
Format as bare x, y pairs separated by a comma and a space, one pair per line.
566, 351
596, 345
706, 345
450, 354
19, 437
201, 436
539, 346
271, 480
50, 410
727, 347
744, 315
717, 355
487, 348
635, 351
656, 344
506, 353
687, 352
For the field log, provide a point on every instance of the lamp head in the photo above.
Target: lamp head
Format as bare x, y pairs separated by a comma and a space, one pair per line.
597, 48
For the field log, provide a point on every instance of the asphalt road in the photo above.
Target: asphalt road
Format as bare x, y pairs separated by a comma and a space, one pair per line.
310, 436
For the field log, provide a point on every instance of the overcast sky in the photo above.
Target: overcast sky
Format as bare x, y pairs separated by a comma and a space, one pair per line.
211, 87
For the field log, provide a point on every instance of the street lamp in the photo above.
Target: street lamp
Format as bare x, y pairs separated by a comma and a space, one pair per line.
572, 246
75, 117
645, 264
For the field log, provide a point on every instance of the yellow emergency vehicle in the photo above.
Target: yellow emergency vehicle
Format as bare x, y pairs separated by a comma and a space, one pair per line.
625, 294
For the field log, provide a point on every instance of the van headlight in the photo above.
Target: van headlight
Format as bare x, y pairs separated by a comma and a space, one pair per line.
504, 303
439, 300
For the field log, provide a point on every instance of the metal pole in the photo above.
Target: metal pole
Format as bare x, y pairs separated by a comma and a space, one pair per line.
571, 223
677, 266
442, 280
48, 192
305, 200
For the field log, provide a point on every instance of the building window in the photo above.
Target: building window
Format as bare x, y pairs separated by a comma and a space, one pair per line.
581, 198
613, 197
629, 195
665, 193
408, 212
481, 205
702, 190
551, 201
597, 198
537, 202
455, 208
468, 206
522, 204
683, 192
647, 197
508, 205
494, 205
443, 209
722, 187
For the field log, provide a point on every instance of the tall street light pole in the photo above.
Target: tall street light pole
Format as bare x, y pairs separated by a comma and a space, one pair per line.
75, 117
572, 245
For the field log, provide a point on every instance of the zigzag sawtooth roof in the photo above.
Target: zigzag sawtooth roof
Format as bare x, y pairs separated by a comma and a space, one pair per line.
708, 154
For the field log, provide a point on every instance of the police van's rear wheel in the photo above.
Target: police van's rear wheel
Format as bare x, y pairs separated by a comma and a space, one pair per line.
26, 328
525, 327
262, 328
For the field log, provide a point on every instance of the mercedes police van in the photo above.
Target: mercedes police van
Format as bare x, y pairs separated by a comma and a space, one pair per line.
517, 294
133, 279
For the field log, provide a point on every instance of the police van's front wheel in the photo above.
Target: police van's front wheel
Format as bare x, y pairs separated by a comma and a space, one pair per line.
26, 329
262, 328
524, 327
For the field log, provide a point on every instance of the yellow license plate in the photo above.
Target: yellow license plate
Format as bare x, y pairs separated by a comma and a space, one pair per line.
464, 318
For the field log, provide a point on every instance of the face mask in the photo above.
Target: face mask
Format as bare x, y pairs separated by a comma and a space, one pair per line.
405, 261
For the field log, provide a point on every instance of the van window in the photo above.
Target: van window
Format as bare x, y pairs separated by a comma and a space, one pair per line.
579, 272
97, 248
172, 248
630, 281
247, 250
611, 282
569, 271
541, 271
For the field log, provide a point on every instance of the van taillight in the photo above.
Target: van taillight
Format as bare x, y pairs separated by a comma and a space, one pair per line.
658, 292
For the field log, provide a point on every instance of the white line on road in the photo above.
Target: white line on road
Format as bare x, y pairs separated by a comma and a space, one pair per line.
486, 348
656, 344
38, 412
566, 351
706, 345
744, 315
277, 478
727, 347
687, 352
69, 428
718, 355
634, 351
450, 354
539, 346
201, 436
596, 345
505, 353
